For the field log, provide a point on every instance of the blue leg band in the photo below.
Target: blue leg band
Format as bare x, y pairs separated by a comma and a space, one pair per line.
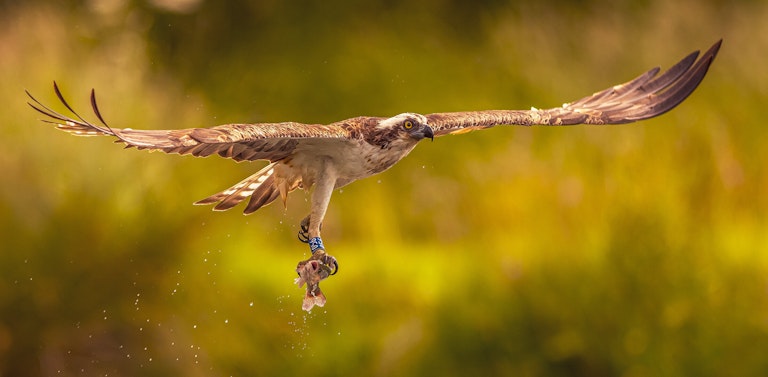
315, 244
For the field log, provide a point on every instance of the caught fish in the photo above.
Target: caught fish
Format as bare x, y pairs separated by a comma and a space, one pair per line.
311, 272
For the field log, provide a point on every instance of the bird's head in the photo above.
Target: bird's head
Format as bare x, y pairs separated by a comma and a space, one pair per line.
407, 125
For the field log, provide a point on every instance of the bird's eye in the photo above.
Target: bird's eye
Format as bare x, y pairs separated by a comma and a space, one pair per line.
408, 124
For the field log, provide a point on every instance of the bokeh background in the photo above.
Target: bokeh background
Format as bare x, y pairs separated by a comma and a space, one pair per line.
633, 250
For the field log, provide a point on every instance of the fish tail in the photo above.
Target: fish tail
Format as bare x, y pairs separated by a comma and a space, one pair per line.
313, 298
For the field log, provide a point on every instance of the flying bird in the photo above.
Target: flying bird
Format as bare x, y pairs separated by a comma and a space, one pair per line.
330, 156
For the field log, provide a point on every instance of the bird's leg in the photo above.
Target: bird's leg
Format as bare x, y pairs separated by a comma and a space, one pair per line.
321, 196
320, 265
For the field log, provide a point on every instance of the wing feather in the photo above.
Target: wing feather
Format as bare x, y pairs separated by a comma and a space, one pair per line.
644, 97
260, 141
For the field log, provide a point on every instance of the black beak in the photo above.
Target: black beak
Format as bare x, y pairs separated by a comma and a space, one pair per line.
429, 133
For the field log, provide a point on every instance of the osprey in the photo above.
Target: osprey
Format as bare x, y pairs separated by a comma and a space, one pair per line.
331, 156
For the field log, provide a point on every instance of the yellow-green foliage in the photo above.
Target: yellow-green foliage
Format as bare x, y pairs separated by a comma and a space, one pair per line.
633, 250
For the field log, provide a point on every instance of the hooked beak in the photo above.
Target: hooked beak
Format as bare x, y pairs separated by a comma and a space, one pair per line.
429, 133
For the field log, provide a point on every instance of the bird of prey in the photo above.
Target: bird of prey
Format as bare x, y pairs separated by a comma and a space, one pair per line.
330, 156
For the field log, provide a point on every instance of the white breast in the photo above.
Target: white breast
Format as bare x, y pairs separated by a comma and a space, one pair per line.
350, 159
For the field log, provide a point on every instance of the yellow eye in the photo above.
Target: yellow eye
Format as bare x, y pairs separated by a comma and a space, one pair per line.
408, 124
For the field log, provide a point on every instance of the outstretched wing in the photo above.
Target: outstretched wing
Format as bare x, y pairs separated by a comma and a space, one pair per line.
261, 141
645, 97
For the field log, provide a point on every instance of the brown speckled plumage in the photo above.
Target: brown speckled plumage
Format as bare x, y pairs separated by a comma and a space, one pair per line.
301, 154
331, 156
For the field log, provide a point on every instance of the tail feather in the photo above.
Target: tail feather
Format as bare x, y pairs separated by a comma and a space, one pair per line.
260, 187
266, 194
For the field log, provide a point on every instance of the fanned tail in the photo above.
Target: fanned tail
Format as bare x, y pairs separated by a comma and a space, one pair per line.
260, 187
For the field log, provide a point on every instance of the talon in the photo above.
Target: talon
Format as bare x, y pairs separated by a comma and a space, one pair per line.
303, 236
331, 261
335, 266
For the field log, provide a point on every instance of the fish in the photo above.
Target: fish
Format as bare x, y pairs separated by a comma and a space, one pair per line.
311, 272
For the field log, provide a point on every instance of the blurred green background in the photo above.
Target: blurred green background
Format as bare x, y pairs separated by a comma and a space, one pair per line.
635, 250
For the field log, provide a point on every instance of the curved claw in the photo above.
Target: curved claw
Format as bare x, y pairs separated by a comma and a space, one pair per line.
303, 236
335, 267
331, 261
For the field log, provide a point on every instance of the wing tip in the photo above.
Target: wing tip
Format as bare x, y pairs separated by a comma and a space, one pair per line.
667, 91
77, 125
